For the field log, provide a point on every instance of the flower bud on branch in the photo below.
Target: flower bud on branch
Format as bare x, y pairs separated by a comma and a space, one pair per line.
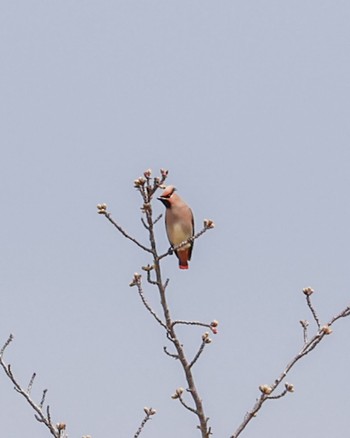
102, 208
308, 291
265, 389
177, 393
136, 280
289, 387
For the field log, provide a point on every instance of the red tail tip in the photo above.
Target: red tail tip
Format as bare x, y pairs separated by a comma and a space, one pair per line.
183, 266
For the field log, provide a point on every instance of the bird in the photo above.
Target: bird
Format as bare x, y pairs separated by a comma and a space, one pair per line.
179, 224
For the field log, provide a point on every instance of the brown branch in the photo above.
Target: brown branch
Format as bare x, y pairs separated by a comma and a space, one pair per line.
186, 406
157, 219
39, 414
276, 397
200, 351
307, 348
42, 401
124, 233
174, 356
149, 412
148, 269
313, 311
137, 281
304, 325
30, 385
343, 314
201, 324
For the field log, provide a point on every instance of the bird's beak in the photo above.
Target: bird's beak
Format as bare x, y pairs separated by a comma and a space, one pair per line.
164, 201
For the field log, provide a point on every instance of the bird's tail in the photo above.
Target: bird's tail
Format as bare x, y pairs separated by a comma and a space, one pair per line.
183, 257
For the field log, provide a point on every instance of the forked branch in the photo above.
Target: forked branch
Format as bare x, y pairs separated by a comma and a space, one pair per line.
309, 345
58, 430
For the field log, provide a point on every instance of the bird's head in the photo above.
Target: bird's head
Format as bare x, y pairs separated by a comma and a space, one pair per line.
166, 196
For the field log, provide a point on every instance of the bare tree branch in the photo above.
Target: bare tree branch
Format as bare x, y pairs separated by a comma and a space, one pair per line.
308, 291
201, 324
200, 351
307, 348
119, 228
174, 356
137, 281
149, 412
39, 414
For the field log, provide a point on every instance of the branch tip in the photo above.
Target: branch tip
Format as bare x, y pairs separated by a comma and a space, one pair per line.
7, 343
208, 224
308, 291
102, 208
205, 338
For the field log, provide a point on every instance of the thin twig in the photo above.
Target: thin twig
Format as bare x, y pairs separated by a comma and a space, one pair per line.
200, 351
313, 311
42, 401
124, 233
7, 343
186, 406
30, 385
343, 314
174, 356
149, 278
149, 412
148, 307
276, 397
39, 415
144, 223
201, 324
304, 325
157, 219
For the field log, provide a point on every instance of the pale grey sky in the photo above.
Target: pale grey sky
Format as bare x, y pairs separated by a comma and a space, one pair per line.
247, 104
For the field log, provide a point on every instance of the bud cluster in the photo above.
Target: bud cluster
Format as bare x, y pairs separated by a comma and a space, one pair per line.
149, 411
164, 173
136, 280
177, 393
205, 338
208, 223
147, 173
139, 182
102, 208
308, 291
61, 426
289, 387
214, 324
265, 389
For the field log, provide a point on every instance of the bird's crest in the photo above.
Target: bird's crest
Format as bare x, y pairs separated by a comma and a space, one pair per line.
168, 191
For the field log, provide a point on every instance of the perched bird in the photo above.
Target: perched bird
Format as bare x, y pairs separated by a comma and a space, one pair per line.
179, 224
